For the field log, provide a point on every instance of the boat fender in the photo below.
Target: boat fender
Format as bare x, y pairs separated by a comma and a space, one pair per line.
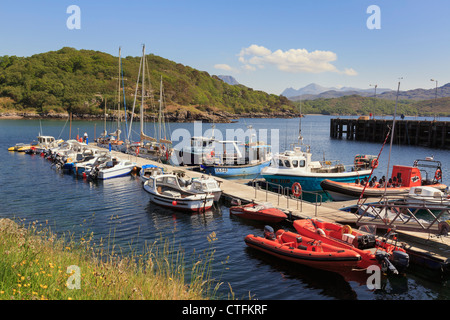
321, 232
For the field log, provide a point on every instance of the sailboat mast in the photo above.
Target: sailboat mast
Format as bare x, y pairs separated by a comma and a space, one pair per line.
392, 136
143, 89
118, 99
160, 108
104, 132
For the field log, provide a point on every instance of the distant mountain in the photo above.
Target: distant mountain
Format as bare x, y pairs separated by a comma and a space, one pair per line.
314, 91
228, 79
418, 94
311, 88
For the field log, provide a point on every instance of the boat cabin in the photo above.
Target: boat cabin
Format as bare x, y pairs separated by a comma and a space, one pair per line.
45, 139
300, 160
406, 176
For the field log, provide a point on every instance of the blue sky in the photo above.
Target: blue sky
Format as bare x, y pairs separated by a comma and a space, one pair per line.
265, 45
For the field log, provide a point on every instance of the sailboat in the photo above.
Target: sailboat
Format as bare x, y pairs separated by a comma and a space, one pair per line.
159, 148
295, 169
112, 140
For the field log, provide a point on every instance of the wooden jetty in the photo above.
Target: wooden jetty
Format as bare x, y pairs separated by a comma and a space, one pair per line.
433, 134
426, 249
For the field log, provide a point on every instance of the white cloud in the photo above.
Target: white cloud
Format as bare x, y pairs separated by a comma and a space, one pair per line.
223, 67
292, 60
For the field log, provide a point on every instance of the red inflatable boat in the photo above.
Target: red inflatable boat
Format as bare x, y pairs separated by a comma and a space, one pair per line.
291, 246
389, 257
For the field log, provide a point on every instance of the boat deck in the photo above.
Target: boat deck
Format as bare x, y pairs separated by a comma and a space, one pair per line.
432, 250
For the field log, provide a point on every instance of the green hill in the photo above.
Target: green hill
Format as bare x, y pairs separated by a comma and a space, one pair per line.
79, 81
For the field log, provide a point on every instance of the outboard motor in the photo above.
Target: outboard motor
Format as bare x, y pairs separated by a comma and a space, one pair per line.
269, 233
400, 259
383, 259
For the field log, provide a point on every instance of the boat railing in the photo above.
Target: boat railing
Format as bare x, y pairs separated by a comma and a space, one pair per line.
394, 212
286, 192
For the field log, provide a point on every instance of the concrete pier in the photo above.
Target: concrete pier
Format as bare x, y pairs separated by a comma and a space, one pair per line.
433, 134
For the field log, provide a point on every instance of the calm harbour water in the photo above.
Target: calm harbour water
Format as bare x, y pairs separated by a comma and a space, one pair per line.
32, 189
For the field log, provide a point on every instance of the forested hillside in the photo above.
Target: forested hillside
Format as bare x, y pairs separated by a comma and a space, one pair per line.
358, 105
79, 81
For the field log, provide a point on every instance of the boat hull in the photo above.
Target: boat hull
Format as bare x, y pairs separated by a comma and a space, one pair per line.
365, 245
114, 173
286, 246
228, 171
193, 204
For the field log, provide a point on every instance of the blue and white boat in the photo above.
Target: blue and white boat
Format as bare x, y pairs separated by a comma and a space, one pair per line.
238, 163
290, 167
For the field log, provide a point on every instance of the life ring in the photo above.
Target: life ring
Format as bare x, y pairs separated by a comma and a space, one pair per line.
374, 163
438, 175
296, 189
346, 229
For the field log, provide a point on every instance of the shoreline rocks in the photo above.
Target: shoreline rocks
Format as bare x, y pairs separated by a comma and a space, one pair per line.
180, 115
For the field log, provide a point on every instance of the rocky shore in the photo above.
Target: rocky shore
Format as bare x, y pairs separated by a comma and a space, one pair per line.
177, 116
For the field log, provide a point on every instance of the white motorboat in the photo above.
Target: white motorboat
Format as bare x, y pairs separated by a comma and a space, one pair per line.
165, 190
112, 168
427, 196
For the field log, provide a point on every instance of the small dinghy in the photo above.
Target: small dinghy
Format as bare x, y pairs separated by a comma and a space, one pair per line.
258, 211
292, 247
389, 257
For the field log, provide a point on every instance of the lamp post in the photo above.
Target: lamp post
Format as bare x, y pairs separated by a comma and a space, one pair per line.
374, 85
435, 94
374, 96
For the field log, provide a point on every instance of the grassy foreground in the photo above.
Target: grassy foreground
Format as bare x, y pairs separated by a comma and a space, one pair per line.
35, 265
